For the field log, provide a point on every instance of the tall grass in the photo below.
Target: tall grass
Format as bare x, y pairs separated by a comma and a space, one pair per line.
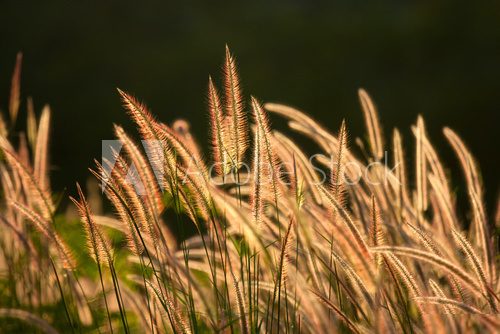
341, 242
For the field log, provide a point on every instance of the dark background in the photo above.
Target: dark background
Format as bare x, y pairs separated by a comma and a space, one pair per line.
437, 58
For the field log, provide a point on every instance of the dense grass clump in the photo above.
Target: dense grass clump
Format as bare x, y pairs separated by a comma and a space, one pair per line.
283, 242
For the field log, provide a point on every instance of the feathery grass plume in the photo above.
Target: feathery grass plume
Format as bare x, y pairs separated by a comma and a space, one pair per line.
376, 234
140, 115
438, 292
438, 261
400, 168
405, 275
146, 175
193, 161
475, 197
41, 199
218, 131
126, 176
426, 239
44, 228
15, 89
97, 243
476, 265
337, 179
177, 319
431, 245
269, 160
41, 149
256, 195
242, 309
116, 197
152, 196
126, 179
194, 173
238, 127
31, 124
372, 124
421, 169
489, 320
297, 185
160, 155
466, 160
191, 207
482, 232
101, 251
443, 202
163, 163
337, 169
410, 283
435, 165
198, 195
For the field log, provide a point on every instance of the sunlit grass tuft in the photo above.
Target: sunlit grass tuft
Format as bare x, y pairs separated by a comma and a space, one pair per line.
282, 243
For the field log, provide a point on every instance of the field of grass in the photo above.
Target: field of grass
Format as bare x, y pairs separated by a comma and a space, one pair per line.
248, 234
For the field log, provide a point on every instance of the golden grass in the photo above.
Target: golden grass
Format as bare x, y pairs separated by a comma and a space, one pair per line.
282, 243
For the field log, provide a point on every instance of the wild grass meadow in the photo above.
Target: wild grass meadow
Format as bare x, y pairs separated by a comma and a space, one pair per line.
248, 233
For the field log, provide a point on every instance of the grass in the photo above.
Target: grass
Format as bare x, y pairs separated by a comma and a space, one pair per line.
340, 242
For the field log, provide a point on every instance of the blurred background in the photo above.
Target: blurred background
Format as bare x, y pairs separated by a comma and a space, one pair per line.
440, 59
